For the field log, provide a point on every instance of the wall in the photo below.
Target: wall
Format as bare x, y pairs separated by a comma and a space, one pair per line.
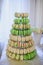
9, 7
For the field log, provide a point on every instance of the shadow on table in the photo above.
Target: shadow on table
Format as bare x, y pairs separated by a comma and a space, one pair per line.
1, 49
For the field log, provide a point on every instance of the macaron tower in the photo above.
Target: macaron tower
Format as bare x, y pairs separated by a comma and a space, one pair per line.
21, 45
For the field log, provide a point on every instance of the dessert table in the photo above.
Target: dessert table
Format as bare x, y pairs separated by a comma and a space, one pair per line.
38, 60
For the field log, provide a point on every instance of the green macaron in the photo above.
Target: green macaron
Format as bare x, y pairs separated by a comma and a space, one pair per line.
22, 20
35, 52
17, 21
13, 31
29, 56
27, 20
32, 55
25, 32
29, 32
20, 32
16, 32
25, 57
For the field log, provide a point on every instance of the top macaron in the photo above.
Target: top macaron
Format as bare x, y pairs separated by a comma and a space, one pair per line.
21, 14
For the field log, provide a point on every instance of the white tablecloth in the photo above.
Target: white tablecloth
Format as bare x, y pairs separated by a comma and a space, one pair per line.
38, 60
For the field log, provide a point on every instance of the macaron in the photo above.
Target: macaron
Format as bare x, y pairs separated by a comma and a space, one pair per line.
32, 54
17, 14
35, 52
21, 57
17, 51
13, 37
19, 38
25, 14
17, 21
20, 26
27, 26
19, 44
29, 44
25, 32
26, 44
15, 44
23, 39
9, 54
22, 15
14, 51
25, 57
16, 26
12, 31
12, 44
21, 51
27, 39
24, 26
22, 45
26, 20
16, 32
29, 32
20, 32
29, 56
22, 20
17, 57
25, 51
13, 56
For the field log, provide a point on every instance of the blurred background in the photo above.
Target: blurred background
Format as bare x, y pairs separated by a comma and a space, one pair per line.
7, 10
